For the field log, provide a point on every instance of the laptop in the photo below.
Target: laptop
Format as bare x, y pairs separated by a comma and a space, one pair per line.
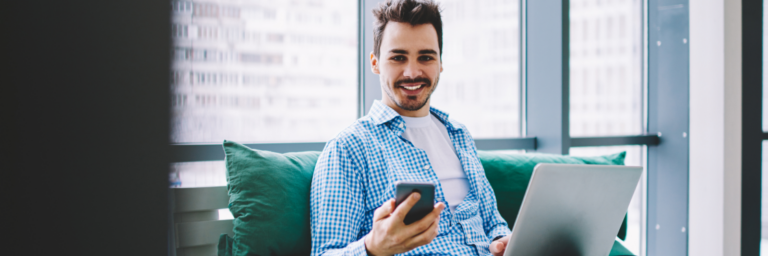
572, 210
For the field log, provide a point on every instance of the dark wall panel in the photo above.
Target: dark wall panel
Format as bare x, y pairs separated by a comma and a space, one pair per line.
85, 95
752, 132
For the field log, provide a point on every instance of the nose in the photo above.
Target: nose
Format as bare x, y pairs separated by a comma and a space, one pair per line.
412, 70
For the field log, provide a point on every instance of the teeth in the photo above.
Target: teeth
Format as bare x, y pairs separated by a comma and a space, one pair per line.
412, 87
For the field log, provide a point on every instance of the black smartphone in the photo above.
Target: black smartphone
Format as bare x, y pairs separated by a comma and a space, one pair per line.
424, 206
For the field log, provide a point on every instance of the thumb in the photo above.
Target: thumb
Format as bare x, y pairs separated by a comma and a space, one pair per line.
497, 248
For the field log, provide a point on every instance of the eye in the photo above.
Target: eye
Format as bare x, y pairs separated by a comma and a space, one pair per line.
426, 58
398, 58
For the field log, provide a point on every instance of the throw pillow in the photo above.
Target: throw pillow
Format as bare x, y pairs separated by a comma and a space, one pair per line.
269, 199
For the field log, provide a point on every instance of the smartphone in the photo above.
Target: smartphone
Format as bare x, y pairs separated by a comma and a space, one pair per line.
424, 206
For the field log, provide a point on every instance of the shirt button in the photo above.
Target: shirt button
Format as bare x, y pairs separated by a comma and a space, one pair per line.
400, 125
426, 167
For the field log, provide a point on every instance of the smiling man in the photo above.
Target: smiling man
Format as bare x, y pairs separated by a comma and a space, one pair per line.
403, 138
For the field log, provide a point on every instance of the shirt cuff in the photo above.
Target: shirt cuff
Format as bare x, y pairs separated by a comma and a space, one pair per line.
357, 247
499, 232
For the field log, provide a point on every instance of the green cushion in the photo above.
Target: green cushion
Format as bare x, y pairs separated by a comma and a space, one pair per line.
269, 195
269, 199
509, 175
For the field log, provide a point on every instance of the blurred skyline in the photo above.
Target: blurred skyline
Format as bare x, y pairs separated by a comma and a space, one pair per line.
263, 71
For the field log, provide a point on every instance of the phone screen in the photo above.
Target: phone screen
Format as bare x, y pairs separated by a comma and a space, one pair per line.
424, 206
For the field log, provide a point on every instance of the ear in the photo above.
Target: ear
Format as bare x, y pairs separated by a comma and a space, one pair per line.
374, 64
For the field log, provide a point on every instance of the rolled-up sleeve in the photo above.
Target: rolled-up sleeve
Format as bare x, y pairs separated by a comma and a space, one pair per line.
337, 205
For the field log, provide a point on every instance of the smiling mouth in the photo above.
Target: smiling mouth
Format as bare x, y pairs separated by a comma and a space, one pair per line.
413, 88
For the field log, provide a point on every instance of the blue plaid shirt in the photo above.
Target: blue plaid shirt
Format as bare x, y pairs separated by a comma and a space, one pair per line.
356, 174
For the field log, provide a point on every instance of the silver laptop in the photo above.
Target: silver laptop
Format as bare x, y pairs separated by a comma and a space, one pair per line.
572, 210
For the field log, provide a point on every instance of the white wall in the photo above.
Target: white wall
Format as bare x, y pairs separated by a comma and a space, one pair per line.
715, 127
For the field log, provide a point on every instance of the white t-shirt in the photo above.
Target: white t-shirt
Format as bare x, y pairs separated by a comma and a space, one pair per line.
429, 134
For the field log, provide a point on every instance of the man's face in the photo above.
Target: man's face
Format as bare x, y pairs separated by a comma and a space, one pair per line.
408, 65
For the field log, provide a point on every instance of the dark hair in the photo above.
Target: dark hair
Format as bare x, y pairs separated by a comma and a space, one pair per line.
415, 12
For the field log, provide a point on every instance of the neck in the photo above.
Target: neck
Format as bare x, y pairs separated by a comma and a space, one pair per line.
422, 112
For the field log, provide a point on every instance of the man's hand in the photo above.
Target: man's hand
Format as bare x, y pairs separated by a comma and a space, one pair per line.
499, 246
391, 236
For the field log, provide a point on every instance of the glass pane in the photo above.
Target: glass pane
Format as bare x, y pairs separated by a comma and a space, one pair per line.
764, 203
198, 174
263, 71
764, 196
765, 67
635, 217
606, 64
480, 84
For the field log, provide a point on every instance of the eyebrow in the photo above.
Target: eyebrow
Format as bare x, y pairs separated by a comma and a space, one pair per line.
401, 51
433, 52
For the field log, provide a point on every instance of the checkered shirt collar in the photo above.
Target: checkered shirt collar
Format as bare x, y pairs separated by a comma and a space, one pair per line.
380, 114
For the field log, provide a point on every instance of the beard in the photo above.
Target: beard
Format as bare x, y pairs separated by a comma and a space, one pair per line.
411, 103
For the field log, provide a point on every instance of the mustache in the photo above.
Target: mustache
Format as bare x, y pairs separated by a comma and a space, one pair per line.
413, 80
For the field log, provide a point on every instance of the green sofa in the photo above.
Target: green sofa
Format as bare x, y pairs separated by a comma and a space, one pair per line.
269, 195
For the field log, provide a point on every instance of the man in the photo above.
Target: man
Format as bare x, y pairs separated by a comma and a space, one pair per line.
403, 139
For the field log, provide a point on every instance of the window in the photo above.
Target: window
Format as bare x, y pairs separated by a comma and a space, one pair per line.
269, 72
765, 67
764, 202
264, 74
606, 68
480, 86
198, 174
253, 73
606, 87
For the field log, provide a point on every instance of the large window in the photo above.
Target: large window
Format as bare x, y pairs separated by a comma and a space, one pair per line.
606, 86
765, 68
480, 86
764, 198
284, 72
263, 71
260, 71
606, 68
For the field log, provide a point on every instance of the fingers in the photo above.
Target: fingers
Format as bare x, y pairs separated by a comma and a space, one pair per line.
438, 208
497, 247
424, 237
435, 214
384, 211
406, 206
424, 223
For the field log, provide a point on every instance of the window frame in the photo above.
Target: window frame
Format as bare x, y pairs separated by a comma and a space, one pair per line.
668, 116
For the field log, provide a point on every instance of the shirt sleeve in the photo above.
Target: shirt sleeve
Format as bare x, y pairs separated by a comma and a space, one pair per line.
493, 224
337, 203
